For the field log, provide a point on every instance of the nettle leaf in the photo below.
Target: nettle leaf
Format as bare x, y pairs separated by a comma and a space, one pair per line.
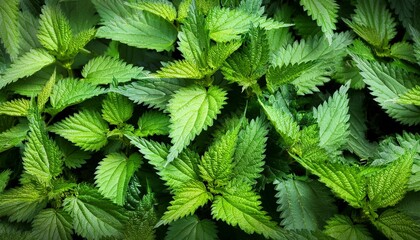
187, 199
93, 216
45, 93
52, 224
388, 186
22, 203
250, 63
180, 69
396, 225
155, 93
74, 157
192, 227
342, 227
42, 159
108, 10
113, 174
28, 27
104, 69
416, 38
153, 123
192, 109
325, 14
373, 22
13, 136
16, 107
249, 153
85, 129
9, 27
141, 30
163, 8
219, 52
403, 50
180, 172
412, 96
303, 205
117, 109
239, 205
333, 120
4, 179
70, 91
26, 65
386, 82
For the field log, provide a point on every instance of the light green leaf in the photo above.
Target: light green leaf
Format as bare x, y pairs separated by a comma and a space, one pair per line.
16, 107
192, 109
4, 179
180, 172
303, 205
108, 10
113, 174
248, 159
397, 226
403, 50
218, 53
153, 123
13, 136
388, 186
117, 109
79, 41
22, 203
93, 216
163, 8
104, 69
85, 129
341, 227
180, 69
325, 14
386, 82
28, 27
45, 93
141, 30
192, 228
186, 201
70, 91
239, 205
52, 224
9, 27
26, 65
412, 96
153, 92
42, 159
333, 120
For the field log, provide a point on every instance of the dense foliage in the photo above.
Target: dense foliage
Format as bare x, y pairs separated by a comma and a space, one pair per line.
209, 119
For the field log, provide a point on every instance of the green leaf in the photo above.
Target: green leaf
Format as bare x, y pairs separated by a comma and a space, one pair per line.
373, 22
403, 50
78, 42
303, 205
16, 107
13, 136
239, 205
104, 69
416, 38
11, 231
22, 203
26, 65
4, 179
54, 32
180, 69
333, 120
218, 53
45, 93
248, 159
162, 8
141, 30
192, 228
9, 27
108, 10
250, 63
192, 109
386, 82
153, 92
117, 109
180, 172
42, 159
85, 129
52, 224
28, 27
341, 227
73, 156
93, 216
186, 201
412, 96
153, 123
325, 14
388, 186
113, 174
70, 91
397, 226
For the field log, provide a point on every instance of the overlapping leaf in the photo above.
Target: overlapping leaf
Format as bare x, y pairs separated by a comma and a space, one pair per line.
52, 224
